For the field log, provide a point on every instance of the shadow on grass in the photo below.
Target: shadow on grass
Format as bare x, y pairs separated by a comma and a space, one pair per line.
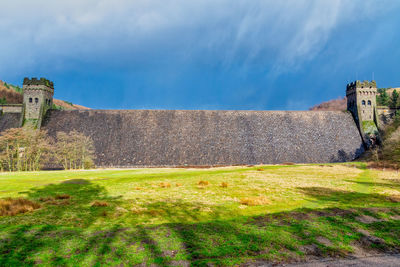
348, 198
64, 205
278, 237
394, 184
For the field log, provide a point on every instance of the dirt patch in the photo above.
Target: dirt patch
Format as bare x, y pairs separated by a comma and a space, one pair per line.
324, 241
367, 219
179, 263
395, 217
367, 239
311, 249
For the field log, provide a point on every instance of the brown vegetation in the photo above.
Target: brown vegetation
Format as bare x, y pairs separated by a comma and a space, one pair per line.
255, 201
12, 207
224, 184
203, 183
68, 106
64, 196
332, 105
165, 185
98, 203
10, 95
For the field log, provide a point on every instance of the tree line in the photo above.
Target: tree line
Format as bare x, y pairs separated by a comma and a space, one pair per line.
27, 149
383, 98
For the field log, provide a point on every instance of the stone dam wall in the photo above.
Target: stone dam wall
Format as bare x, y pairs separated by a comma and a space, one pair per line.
130, 138
10, 120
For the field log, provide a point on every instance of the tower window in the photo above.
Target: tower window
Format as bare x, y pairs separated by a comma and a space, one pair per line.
36, 100
369, 103
363, 102
30, 100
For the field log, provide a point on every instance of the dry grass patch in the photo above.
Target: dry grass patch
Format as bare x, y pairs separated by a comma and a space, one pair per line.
99, 204
260, 169
203, 183
255, 201
165, 185
138, 210
224, 184
394, 198
178, 184
12, 207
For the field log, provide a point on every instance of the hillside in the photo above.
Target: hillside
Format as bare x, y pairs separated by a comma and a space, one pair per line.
12, 94
341, 103
331, 105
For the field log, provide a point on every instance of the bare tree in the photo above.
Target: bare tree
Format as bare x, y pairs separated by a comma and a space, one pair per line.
74, 150
23, 149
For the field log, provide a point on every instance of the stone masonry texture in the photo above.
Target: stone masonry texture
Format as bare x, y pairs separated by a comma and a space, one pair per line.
9, 120
129, 138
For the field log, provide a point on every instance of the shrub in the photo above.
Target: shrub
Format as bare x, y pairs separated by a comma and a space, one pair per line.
12, 207
224, 184
254, 201
260, 169
99, 204
178, 184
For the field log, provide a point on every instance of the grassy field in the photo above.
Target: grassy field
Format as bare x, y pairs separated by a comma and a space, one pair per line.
220, 216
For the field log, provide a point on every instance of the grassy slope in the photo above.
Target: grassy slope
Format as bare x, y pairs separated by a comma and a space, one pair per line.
327, 210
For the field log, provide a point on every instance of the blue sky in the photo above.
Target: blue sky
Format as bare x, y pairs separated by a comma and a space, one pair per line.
200, 54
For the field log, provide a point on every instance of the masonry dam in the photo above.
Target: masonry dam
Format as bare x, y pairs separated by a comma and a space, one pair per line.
139, 138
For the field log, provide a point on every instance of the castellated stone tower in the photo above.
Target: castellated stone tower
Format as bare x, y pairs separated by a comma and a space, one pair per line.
38, 98
361, 102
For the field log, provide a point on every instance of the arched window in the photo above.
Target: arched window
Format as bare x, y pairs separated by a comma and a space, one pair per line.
36, 100
30, 100
369, 103
363, 102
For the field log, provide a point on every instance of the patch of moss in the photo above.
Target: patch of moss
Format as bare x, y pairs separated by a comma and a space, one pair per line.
369, 127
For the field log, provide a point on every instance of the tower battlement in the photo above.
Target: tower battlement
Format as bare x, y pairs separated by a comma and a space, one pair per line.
37, 82
361, 85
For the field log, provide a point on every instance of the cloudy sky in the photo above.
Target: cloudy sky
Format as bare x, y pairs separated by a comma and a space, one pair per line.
200, 54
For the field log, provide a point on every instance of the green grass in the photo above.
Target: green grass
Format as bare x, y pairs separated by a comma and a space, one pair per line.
313, 211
